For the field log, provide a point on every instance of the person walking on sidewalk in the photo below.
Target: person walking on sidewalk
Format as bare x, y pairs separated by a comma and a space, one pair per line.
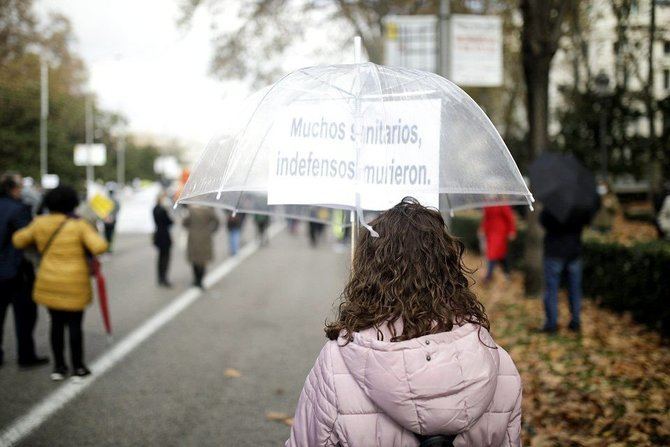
262, 222
63, 282
562, 250
162, 239
109, 222
498, 227
201, 223
409, 356
234, 223
316, 226
16, 273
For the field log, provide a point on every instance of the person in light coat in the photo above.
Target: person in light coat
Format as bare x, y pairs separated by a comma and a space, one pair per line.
409, 354
201, 223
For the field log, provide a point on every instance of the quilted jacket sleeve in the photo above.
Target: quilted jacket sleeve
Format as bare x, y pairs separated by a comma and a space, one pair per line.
513, 431
95, 243
513, 438
316, 412
24, 237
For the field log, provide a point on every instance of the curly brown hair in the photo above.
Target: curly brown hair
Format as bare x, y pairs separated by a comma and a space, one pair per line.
414, 272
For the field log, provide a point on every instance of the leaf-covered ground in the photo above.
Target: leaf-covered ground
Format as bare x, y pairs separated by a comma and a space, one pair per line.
608, 386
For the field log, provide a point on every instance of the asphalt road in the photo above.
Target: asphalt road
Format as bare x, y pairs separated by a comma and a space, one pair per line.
264, 319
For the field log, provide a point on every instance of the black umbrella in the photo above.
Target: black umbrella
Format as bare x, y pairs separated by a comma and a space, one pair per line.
565, 187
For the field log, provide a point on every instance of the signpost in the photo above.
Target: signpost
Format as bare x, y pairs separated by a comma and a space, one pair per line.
466, 49
90, 155
475, 44
50, 181
167, 166
410, 41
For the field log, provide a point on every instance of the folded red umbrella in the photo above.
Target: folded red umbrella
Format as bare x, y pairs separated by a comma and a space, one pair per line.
102, 295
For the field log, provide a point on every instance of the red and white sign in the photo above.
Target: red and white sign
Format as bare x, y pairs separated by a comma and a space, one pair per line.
476, 50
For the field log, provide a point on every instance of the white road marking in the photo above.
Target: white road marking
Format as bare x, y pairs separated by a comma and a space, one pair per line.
38, 414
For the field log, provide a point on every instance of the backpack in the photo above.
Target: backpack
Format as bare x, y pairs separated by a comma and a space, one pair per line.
436, 440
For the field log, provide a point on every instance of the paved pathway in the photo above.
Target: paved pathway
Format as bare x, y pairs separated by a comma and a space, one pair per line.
264, 319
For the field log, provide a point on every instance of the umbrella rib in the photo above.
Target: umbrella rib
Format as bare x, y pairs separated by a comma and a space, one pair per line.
393, 95
409, 81
317, 78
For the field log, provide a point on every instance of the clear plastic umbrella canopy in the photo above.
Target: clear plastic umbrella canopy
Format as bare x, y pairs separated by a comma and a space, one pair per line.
359, 137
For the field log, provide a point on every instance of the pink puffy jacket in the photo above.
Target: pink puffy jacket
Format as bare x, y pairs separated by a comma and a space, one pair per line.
379, 393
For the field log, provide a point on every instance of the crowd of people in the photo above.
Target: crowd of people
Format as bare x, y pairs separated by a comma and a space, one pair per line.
200, 223
44, 259
48, 240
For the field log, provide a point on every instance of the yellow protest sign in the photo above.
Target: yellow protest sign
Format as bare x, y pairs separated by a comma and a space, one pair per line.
392, 31
101, 205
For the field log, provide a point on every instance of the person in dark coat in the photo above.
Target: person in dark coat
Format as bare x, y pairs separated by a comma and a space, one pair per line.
110, 221
562, 251
162, 239
262, 222
17, 275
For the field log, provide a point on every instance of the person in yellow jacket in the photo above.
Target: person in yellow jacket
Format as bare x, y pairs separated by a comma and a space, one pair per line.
63, 283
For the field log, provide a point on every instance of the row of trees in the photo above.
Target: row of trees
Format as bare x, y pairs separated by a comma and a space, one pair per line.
23, 42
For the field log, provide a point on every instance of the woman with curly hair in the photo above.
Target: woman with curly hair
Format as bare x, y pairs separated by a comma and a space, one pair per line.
410, 359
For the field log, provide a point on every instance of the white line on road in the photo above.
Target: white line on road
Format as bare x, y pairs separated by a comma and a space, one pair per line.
53, 402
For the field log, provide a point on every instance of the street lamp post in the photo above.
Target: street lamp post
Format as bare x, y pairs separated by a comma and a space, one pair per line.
119, 134
443, 36
602, 83
44, 115
121, 161
89, 141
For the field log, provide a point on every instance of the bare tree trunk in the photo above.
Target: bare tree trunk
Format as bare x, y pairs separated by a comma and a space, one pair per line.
537, 90
536, 72
649, 96
655, 179
539, 41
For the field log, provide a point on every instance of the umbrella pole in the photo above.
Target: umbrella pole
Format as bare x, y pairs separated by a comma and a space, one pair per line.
354, 233
358, 44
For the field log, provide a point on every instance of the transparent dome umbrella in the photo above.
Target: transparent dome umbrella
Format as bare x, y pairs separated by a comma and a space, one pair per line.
357, 137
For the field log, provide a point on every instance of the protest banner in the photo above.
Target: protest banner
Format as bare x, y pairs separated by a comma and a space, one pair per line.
323, 156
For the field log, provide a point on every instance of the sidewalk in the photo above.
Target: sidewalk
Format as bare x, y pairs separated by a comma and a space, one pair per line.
217, 373
608, 386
